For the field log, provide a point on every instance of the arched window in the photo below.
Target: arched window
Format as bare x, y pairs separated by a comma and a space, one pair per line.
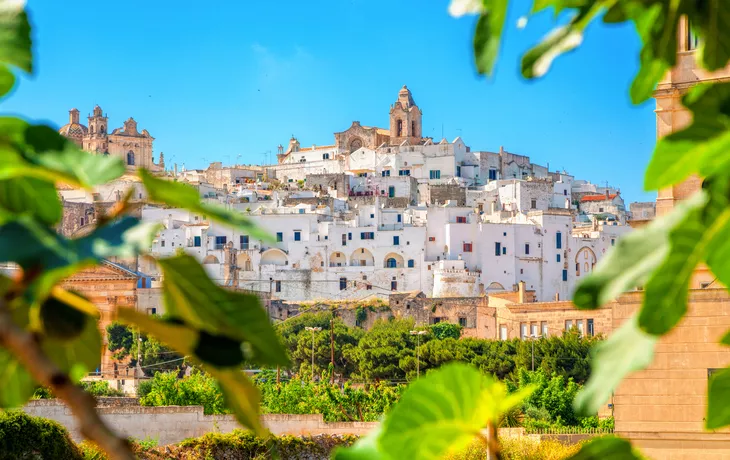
399, 128
130, 158
413, 128
391, 263
101, 129
91, 128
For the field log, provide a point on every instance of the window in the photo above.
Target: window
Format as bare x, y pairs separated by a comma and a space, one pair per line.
590, 327
391, 263
544, 328
130, 158
343, 284
557, 257
413, 128
385, 173
565, 275
399, 128
458, 171
220, 242
244, 241
613, 241
577, 269
460, 219
558, 240
434, 174
325, 156
431, 238
504, 251
568, 324
367, 235
279, 237
502, 332
391, 191
565, 192
497, 248
399, 218
693, 40
523, 331
404, 172
467, 247
162, 243
527, 249
344, 239
277, 285
369, 287
492, 174
297, 235
81, 222
196, 241
533, 204
394, 285
533, 330
411, 263
462, 321
396, 240
301, 210
579, 323
349, 236
600, 209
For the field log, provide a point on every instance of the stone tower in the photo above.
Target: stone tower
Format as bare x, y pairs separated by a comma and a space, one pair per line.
96, 139
405, 119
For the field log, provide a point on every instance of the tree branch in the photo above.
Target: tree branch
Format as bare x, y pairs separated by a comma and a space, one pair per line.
26, 349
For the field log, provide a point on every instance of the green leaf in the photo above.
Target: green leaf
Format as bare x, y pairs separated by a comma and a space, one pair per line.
241, 395
701, 147
633, 259
537, 61
627, 350
712, 19
39, 151
33, 196
606, 448
718, 393
60, 257
79, 356
442, 412
7, 80
650, 73
193, 297
16, 383
366, 448
488, 35
15, 43
650, 21
180, 195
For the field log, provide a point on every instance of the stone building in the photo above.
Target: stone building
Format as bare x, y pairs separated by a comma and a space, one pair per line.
128, 143
663, 408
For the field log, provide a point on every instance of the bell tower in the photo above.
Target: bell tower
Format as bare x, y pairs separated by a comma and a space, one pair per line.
405, 119
96, 139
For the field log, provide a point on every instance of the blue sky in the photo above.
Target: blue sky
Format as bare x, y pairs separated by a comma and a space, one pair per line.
215, 80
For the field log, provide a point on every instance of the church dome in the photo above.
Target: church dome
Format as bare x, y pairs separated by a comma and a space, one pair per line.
73, 129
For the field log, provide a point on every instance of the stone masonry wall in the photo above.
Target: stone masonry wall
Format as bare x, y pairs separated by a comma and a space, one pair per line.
442, 193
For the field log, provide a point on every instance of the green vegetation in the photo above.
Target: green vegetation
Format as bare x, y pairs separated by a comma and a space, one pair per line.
23, 436
154, 355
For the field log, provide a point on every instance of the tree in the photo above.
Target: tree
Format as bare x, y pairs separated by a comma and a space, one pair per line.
444, 330
154, 355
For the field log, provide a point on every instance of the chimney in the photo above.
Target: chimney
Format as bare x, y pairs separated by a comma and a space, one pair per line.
606, 192
521, 289
557, 297
501, 149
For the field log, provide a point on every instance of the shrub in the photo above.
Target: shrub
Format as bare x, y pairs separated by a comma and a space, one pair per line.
25, 436
198, 389
100, 388
520, 448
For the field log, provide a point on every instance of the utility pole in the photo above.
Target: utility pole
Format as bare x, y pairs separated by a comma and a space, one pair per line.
332, 347
418, 335
278, 368
313, 330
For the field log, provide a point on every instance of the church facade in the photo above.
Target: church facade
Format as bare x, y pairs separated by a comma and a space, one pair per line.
134, 147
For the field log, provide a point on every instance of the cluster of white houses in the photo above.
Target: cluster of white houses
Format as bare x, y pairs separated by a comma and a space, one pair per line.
385, 210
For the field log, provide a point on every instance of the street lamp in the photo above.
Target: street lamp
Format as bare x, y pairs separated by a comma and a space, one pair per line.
418, 335
313, 330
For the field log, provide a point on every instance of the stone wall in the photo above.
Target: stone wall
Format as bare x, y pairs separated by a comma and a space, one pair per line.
323, 182
443, 193
172, 424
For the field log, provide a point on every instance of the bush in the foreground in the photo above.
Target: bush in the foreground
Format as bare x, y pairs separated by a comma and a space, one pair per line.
25, 436
520, 448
